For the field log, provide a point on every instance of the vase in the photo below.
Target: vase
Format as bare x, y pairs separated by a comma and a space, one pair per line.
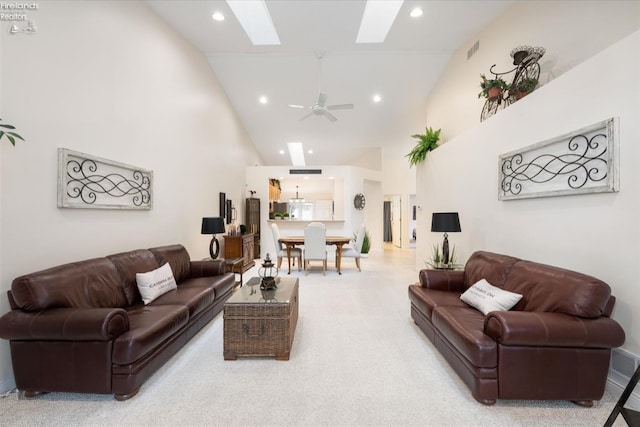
494, 92
520, 94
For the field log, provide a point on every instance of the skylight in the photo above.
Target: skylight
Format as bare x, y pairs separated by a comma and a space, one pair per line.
256, 21
297, 153
377, 19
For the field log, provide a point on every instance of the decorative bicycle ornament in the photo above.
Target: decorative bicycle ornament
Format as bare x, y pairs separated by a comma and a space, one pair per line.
525, 80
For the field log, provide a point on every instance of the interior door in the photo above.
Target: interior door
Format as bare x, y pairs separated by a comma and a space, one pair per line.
396, 221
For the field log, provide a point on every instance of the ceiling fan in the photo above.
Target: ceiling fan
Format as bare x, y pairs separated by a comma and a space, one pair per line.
321, 108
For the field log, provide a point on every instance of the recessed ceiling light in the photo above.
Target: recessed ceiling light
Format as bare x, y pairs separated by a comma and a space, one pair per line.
281, 151
217, 16
416, 12
310, 151
377, 98
377, 19
263, 99
255, 19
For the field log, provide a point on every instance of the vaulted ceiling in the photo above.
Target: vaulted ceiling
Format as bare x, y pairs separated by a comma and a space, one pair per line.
401, 70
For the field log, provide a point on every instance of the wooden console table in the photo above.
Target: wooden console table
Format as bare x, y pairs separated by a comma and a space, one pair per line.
240, 246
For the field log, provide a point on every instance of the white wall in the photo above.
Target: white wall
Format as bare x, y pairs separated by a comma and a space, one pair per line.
596, 234
571, 32
113, 80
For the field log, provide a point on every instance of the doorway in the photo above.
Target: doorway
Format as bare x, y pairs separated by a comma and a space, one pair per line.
393, 220
413, 223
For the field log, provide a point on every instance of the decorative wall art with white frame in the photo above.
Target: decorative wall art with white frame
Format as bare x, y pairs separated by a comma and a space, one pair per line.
86, 181
585, 161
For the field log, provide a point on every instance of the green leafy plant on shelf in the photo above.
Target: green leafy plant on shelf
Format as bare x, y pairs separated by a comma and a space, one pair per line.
491, 89
11, 136
277, 215
275, 183
426, 142
525, 87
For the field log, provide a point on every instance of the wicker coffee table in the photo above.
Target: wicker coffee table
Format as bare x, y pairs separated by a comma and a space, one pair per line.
261, 323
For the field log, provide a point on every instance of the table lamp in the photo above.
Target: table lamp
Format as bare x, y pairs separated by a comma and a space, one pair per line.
447, 222
213, 226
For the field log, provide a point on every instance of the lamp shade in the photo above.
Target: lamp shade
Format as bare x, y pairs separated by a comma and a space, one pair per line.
214, 225
445, 222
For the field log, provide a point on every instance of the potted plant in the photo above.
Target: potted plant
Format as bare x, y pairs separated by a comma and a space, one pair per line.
525, 87
436, 257
491, 89
426, 142
11, 136
277, 215
285, 215
366, 245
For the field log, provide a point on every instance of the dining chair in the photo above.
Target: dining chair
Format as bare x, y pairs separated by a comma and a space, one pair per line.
354, 250
281, 251
315, 245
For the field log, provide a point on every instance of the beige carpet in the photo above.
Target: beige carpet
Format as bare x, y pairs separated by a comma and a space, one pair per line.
357, 360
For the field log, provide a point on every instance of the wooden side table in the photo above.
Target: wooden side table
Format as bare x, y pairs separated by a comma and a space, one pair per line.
234, 265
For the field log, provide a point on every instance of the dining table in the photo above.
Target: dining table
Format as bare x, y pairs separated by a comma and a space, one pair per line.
339, 241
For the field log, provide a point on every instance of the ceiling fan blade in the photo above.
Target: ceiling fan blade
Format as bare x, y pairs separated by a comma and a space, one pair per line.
322, 99
340, 107
329, 116
296, 106
307, 116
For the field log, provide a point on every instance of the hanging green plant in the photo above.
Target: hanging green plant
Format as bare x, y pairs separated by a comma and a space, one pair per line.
11, 136
426, 142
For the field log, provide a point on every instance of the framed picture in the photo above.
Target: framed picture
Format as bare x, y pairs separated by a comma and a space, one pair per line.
86, 181
581, 162
229, 214
222, 204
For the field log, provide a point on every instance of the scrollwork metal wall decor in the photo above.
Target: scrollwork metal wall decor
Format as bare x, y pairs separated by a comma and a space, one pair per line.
86, 181
584, 161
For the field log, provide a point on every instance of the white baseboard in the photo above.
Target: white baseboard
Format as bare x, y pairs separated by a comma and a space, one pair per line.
616, 384
6, 386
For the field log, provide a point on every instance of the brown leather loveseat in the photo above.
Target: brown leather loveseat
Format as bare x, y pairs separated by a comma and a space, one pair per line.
554, 344
82, 327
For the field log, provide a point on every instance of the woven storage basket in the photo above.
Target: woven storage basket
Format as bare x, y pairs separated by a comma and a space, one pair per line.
261, 328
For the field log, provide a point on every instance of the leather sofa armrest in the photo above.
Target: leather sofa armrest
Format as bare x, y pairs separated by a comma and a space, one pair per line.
544, 329
212, 267
442, 280
65, 324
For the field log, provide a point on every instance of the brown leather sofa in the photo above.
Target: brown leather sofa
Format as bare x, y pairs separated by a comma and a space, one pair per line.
82, 327
554, 344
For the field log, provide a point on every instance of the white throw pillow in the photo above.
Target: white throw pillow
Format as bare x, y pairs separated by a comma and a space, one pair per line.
487, 298
155, 283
